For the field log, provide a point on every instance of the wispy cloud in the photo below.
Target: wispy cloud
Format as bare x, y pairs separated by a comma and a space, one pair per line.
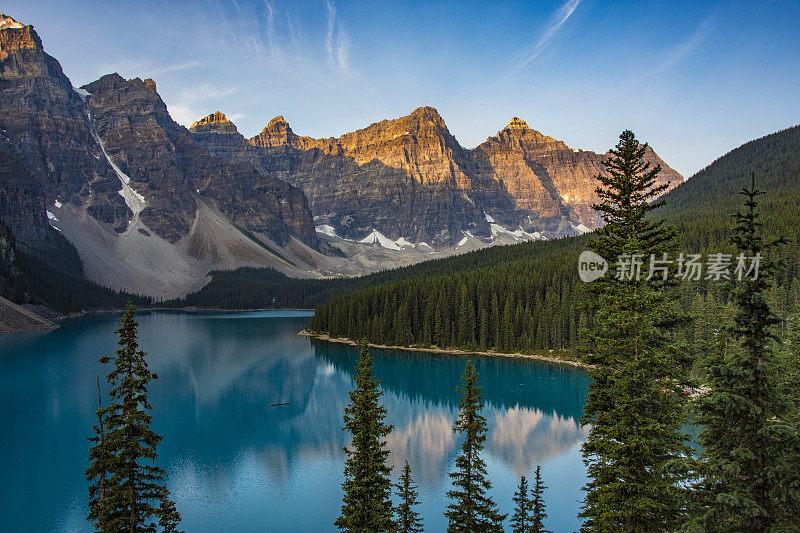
273, 47
176, 67
183, 115
193, 103
557, 21
337, 42
682, 49
144, 69
282, 36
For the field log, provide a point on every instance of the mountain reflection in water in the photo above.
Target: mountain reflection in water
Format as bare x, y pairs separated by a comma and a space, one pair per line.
234, 462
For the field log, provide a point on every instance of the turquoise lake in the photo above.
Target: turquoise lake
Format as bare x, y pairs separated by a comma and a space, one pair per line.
237, 465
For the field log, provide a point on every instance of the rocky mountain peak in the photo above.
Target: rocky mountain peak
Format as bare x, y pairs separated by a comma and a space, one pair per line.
216, 122
279, 126
17, 36
7, 22
429, 113
276, 133
277, 122
517, 124
143, 91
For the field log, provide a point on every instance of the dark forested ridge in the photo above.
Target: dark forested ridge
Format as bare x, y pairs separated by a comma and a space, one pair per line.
52, 277
531, 299
55, 279
256, 288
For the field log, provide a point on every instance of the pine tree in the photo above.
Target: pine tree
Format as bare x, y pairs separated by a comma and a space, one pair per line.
791, 367
538, 512
634, 451
471, 510
521, 519
406, 518
126, 487
749, 470
169, 518
484, 340
99, 459
366, 505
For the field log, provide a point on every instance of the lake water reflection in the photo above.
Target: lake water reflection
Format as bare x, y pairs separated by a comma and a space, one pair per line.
236, 464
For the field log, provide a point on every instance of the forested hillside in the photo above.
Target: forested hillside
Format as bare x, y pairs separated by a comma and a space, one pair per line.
533, 300
254, 288
52, 277
56, 280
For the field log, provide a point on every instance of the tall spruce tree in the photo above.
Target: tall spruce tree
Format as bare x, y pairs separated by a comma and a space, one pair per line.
521, 518
126, 489
634, 452
168, 516
367, 504
471, 509
406, 518
749, 464
538, 507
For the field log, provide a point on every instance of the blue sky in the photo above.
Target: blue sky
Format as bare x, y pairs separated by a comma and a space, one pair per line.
693, 78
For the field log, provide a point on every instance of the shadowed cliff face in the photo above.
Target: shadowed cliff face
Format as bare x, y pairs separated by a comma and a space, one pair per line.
168, 168
45, 126
56, 132
22, 203
410, 178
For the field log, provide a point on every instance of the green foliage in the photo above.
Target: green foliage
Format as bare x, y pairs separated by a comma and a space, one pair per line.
529, 513
48, 280
366, 505
406, 518
528, 302
748, 473
168, 516
126, 492
521, 518
634, 405
538, 512
471, 509
790, 368
54, 277
256, 288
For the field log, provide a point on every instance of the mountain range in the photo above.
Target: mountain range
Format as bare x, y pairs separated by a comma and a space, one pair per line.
410, 179
151, 206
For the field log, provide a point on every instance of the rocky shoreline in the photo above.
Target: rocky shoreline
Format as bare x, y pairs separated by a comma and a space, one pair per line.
15, 318
450, 351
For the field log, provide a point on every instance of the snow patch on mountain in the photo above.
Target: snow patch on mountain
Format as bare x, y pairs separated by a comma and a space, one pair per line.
51, 216
580, 228
489, 219
325, 229
134, 200
517, 234
376, 237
